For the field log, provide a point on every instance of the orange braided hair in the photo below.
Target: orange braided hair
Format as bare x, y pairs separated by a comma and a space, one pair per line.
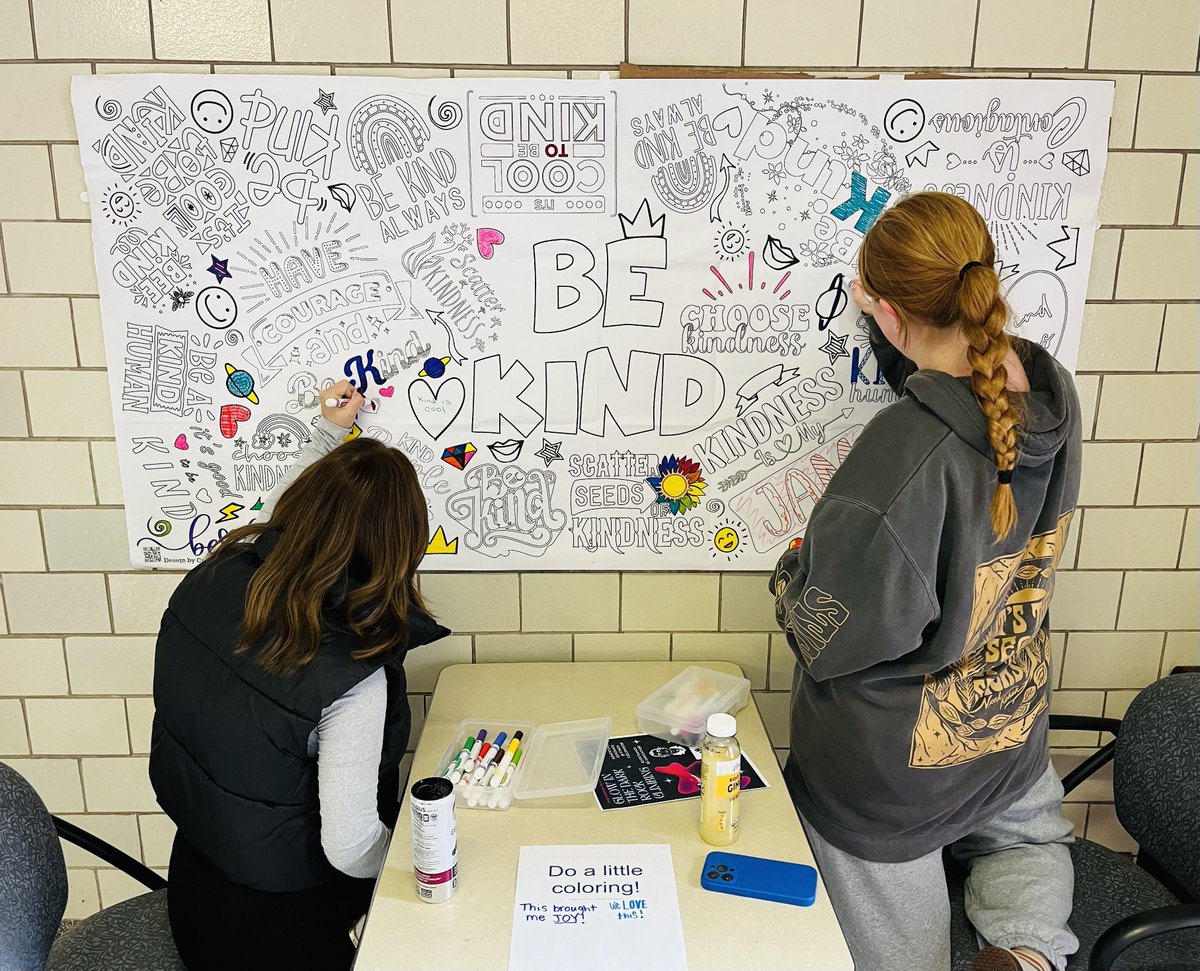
931, 257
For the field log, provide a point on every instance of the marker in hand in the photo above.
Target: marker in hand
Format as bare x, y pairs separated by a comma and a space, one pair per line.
341, 402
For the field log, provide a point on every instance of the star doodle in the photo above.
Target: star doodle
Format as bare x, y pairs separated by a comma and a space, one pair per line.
325, 102
834, 346
804, 214
768, 97
549, 452
220, 269
772, 196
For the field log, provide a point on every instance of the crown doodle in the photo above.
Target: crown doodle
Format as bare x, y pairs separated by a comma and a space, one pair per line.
641, 224
438, 543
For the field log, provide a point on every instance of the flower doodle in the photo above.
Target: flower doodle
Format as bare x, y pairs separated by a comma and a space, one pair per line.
678, 484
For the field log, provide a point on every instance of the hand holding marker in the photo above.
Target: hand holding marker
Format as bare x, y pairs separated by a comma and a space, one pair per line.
340, 403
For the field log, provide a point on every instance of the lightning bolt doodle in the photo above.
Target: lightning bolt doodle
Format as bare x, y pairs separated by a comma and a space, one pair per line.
230, 512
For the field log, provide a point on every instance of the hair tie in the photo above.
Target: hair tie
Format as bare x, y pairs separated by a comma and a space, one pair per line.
1004, 476
966, 266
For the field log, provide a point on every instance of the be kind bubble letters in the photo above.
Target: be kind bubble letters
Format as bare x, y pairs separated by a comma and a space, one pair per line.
608, 321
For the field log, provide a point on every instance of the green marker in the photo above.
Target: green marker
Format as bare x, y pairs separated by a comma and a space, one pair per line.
460, 758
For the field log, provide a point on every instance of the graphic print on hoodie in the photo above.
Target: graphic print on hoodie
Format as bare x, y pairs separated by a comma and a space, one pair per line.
922, 643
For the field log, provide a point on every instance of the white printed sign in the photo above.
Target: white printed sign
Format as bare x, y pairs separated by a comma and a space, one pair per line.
608, 321
577, 906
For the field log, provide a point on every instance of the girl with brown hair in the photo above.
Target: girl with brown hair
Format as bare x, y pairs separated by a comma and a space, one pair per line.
917, 608
280, 708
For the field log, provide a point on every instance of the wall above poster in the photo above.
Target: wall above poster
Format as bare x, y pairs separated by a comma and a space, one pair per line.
609, 322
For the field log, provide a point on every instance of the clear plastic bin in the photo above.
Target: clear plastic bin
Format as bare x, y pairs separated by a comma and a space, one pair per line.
561, 759
680, 708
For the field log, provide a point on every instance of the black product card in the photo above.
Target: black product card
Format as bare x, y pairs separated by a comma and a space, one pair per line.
640, 770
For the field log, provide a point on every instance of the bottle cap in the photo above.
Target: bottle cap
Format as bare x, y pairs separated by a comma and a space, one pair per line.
722, 725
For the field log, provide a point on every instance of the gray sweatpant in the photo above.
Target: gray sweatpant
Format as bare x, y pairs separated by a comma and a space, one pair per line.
896, 916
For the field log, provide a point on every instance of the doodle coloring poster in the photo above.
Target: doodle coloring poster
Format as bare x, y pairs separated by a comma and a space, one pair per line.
609, 322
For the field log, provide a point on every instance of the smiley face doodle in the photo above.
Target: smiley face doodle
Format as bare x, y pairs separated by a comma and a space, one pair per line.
726, 539
212, 111
216, 307
119, 206
904, 120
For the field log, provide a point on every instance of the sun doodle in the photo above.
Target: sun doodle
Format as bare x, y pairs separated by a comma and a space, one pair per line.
730, 241
727, 540
119, 206
678, 485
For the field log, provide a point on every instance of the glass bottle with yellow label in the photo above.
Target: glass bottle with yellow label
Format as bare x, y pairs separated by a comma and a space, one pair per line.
720, 781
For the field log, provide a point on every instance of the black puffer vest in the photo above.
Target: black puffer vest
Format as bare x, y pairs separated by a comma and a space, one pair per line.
229, 755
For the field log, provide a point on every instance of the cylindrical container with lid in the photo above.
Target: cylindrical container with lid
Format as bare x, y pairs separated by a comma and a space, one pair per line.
720, 781
434, 839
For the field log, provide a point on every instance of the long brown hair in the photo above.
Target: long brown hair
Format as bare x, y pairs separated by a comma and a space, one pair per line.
359, 510
932, 258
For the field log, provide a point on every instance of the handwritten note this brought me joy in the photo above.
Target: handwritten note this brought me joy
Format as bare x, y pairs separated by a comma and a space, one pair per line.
577, 906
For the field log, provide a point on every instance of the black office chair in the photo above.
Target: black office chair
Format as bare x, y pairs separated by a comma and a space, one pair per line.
130, 936
1127, 916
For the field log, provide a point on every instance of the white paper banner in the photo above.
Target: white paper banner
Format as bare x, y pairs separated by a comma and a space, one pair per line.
608, 322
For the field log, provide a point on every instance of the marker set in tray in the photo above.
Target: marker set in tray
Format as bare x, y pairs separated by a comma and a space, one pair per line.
484, 768
493, 762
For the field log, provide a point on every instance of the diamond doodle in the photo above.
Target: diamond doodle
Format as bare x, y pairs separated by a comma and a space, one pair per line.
1078, 161
459, 455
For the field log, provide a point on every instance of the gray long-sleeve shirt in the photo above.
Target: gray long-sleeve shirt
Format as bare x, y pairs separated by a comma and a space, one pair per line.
348, 739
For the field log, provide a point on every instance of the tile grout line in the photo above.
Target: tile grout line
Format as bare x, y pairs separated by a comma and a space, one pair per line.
745, 18
626, 58
391, 33
53, 181
1162, 337
33, 32
4, 278
862, 7
1087, 45
975, 32
270, 34
1182, 181
1137, 111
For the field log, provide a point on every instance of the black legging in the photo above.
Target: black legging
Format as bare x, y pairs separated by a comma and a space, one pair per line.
224, 926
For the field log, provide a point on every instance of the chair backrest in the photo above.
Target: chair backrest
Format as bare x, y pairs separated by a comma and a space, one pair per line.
33, 874
1156, 775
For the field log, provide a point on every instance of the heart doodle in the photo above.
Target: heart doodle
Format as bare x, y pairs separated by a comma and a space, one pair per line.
181, 442
435, 410
204, 496
231, 417
387, 392
486, 240
953, 161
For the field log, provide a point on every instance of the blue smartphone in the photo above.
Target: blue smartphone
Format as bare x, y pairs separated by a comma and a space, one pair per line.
752, 876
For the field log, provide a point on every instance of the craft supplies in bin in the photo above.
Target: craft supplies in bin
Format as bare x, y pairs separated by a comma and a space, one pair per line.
680, 708
558, 759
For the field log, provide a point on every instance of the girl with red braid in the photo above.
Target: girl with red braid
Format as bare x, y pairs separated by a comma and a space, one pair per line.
917, 609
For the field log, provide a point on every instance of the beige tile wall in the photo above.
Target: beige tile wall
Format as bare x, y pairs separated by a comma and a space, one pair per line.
76, 626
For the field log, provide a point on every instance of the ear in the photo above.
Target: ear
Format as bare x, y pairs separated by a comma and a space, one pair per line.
889, 324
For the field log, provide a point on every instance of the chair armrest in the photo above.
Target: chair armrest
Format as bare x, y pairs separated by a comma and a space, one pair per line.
1139, 927
109, 854
1085, 723
1088, 766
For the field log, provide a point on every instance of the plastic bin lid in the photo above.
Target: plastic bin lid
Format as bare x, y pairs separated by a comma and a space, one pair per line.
564, 758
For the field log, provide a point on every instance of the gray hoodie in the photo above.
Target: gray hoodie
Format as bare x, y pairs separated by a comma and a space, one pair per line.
920, 704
